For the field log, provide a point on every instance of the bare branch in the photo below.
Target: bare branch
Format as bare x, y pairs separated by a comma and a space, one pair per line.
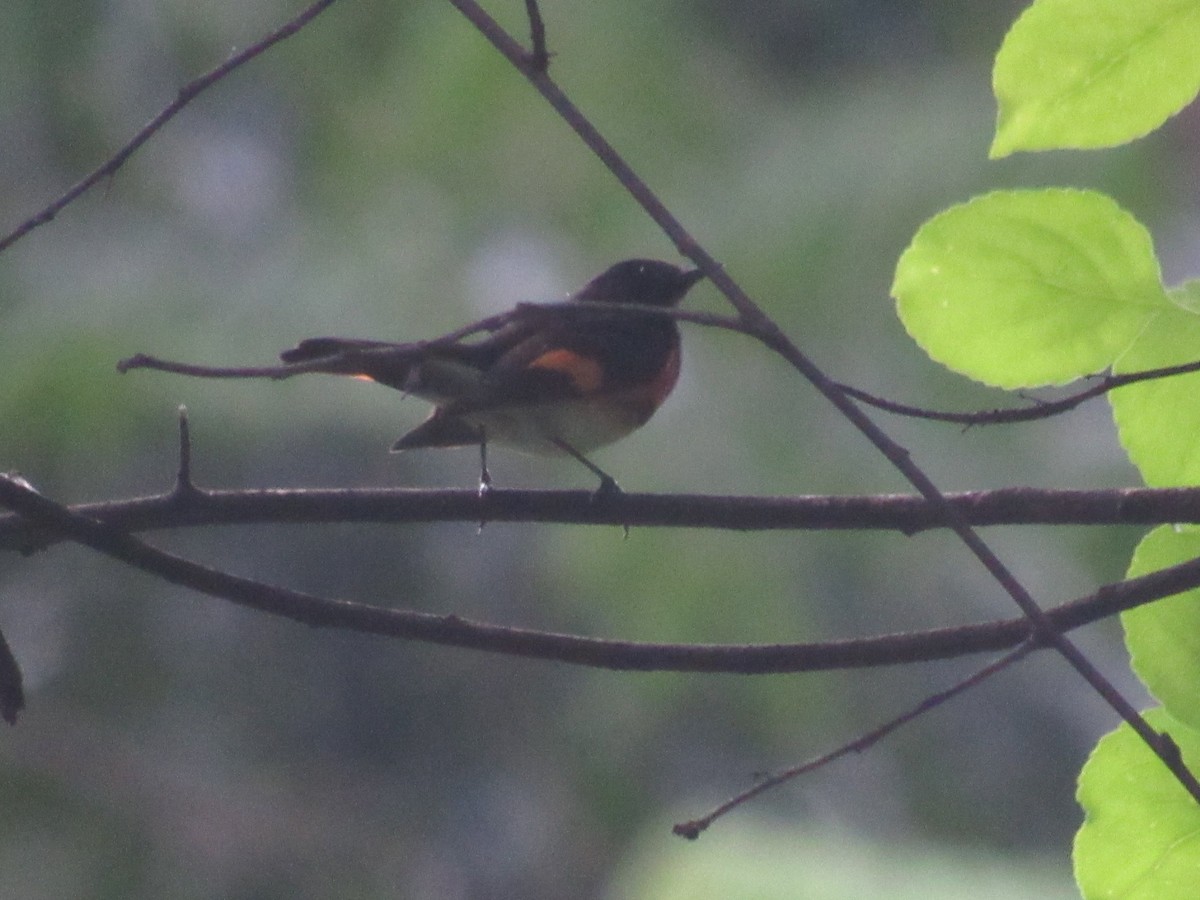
693, 829
452, 630
904, 513
352, 357
186, 95
144, 361
539, 57
1040, 409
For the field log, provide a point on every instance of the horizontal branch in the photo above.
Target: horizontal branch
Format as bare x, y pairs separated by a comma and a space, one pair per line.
1038, 409
451, 630
905, 513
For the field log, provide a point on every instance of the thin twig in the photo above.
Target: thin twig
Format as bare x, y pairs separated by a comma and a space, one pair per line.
1041, 409
353, 357
186, 95
144, 361
693, 828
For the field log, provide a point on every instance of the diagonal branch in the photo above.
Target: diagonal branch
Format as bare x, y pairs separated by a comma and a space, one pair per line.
693, 828
186, 95
769, 332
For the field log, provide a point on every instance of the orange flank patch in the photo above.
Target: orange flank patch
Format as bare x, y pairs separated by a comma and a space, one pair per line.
586, 374
363, 377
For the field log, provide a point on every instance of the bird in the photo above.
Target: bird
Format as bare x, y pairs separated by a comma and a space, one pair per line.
552, 380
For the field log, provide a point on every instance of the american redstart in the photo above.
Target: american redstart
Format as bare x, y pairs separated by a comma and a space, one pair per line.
553, 380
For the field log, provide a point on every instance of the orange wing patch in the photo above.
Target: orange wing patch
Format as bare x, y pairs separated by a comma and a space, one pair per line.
586, 374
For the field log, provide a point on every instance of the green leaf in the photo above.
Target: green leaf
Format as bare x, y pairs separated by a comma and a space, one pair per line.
1028, 288
1094, 73
1158, 421
1164, 637
1140, 839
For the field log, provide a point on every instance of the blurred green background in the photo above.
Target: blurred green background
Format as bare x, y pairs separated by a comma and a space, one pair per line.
386, 174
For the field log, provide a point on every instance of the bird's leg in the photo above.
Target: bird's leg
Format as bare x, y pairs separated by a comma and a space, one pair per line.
485, 477
608, 484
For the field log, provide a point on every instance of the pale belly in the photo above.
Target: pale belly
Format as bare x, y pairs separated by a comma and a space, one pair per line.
583, 423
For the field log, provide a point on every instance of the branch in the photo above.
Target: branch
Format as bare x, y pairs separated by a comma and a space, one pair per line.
186, 95
451, 630
351, 359
693, 829
1041, 409
539, 56
905, 513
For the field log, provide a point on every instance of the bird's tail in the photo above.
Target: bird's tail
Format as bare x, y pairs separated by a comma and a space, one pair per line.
387, 363
317, 348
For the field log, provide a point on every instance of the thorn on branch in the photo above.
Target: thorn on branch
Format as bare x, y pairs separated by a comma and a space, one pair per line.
184, 487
